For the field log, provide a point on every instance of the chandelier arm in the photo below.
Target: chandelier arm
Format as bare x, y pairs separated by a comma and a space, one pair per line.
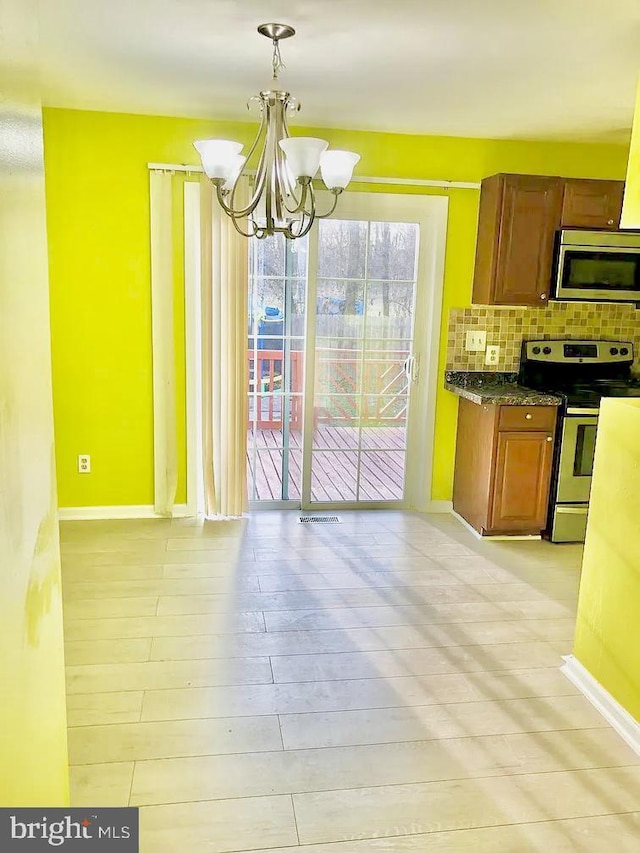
229, 208
279, 184
284, 186
284, 173
220, 193
267, 179
336, 192
271, 192
260, 171
239, 229
258, 187
312, 199
285, 189
244, 213
305, 227
300, 203
261, 129
286, 179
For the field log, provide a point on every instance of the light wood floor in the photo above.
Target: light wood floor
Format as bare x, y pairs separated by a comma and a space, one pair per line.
334, 469
385, 684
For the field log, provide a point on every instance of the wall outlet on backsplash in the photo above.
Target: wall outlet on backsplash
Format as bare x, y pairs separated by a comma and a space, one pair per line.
492, 355
476, 340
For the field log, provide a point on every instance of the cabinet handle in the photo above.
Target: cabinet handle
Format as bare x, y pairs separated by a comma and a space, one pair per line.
610, 222
528, 416
543, 296
549, 438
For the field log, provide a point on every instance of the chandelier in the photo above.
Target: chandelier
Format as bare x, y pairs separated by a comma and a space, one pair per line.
283, 198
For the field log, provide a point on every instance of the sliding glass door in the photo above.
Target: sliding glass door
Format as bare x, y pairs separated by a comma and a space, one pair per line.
365, 287
339, 414
276, 331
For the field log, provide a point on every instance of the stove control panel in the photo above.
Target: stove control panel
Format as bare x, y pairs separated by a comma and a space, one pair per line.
579, 352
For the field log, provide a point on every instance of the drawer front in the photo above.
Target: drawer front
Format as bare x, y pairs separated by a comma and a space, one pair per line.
527, 417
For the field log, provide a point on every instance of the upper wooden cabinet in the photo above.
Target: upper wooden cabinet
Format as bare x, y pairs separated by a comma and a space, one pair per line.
592, 204
519, 215
518, 219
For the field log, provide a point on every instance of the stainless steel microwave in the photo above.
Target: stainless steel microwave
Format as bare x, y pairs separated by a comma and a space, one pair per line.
597, 266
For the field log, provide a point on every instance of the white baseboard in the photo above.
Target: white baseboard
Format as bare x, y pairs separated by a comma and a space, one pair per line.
627, 727
512, 537
88, 513
497, 537
91, 513
439, 506
465, 523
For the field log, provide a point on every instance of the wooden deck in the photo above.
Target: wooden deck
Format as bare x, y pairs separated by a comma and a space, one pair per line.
335, 475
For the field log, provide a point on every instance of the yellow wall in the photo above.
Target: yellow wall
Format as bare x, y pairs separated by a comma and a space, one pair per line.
607, 638
98, 221
631, 206
33, 741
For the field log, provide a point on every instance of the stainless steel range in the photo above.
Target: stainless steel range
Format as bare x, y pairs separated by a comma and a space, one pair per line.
582, 373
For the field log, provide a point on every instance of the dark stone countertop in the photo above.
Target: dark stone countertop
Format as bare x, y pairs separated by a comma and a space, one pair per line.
495, 389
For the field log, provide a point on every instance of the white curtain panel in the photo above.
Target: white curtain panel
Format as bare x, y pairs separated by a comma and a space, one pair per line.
165, 451
224, 291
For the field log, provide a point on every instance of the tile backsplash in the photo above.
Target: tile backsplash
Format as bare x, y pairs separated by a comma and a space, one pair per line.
508, 327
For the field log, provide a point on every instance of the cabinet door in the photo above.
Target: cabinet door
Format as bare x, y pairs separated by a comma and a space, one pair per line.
473, 474
529, 218
592, 204
521, 483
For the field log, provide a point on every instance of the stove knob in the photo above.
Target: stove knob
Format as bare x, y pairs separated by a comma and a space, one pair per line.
624, 350
547, 350
536, 350
614, 351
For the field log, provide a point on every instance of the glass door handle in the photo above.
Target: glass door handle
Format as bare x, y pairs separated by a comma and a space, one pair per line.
411, 366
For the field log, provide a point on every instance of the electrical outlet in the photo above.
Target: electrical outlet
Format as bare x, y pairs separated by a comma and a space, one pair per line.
492, 355
476, 340
84, 463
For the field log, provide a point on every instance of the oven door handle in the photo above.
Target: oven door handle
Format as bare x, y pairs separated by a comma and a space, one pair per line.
575, 411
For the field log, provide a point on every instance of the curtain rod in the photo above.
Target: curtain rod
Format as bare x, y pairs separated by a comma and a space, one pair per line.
406, 182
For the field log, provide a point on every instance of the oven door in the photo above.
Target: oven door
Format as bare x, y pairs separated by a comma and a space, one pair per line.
591, 273
577, 447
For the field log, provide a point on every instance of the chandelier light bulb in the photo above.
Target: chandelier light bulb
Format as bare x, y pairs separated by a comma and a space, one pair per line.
283, 197
303, 155
235, 168
336, 168
218, 156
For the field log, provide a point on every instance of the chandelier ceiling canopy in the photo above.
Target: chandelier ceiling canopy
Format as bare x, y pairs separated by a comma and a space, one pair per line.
283, 198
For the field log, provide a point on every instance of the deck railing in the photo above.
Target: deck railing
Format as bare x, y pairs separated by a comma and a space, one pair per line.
266, 377
341, 374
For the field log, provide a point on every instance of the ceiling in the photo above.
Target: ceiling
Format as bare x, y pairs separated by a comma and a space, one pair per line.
531, 69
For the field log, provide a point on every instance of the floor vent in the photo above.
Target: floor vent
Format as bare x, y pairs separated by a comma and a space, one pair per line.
319, 519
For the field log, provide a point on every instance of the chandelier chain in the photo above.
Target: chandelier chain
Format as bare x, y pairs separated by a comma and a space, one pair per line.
277, 63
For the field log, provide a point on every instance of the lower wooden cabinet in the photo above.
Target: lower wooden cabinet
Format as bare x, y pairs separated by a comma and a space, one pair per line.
503, 466
521, 481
